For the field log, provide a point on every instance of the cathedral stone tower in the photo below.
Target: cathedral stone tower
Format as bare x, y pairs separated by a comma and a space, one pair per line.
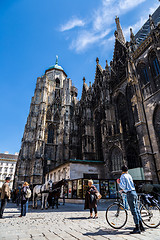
45, 143
115, 122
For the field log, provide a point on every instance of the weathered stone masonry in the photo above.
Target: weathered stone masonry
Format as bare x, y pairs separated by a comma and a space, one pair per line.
116, 121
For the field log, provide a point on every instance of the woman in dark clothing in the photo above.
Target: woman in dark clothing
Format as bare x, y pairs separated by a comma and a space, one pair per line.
24, 199
91, 199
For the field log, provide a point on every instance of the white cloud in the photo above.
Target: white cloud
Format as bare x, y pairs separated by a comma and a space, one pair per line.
100, 23
72, 23
129, 4
87, 38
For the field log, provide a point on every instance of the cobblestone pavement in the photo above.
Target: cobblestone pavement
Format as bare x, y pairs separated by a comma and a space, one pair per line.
67, 222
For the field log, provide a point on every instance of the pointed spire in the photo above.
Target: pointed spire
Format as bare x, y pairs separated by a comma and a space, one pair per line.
119, 31
107, 67
56, 60
97, 60
90, 84
132, 37
152, 25
133, 45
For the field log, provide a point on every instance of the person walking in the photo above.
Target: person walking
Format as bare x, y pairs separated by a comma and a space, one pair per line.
91, 199
127, 185
18, 195
5, 196
24, 199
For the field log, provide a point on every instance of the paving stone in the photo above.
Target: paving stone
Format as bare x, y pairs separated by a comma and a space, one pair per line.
67, 223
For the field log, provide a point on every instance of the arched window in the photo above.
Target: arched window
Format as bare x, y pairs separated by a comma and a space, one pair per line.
48, 116
57, 82
156, 124
122, 109
56, 117
50, 134
132, 158
143, 72
116, 159
154, 63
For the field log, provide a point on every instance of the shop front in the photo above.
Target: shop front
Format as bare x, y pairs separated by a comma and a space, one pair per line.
77, 188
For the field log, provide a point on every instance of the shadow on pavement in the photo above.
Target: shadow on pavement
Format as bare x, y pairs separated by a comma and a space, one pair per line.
102, 232
77, 218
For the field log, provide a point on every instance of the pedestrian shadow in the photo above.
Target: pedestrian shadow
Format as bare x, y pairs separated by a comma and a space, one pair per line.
102, 232
77, 218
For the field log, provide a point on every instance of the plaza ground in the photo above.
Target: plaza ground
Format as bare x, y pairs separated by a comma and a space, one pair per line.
68, 222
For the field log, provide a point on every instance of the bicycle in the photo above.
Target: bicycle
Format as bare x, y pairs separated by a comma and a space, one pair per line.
117, 215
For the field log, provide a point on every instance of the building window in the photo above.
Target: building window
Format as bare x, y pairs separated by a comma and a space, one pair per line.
50, 134
57, 82
48, 116
156, 124
116, 159
143, 72
54, 177
64, 173
132, 158
58, 175
154, 63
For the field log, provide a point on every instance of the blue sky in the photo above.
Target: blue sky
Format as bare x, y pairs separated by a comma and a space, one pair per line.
33, 32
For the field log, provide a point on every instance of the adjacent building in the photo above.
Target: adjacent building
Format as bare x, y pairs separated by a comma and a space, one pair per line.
116, 121
7, 167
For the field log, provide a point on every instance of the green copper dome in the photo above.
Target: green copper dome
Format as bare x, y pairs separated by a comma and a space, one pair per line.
56, 66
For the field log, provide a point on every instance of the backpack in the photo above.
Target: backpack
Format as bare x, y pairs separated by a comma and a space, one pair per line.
28, 193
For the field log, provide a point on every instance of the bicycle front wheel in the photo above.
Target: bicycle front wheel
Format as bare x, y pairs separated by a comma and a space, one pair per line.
150, 216
116, 215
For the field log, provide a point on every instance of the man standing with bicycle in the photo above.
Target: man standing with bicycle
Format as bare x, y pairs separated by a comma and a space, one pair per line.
126, 184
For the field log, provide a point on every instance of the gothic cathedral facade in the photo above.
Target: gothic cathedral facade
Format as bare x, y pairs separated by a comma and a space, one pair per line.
116, 121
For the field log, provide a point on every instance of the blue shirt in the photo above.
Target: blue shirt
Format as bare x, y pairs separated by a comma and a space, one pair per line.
126, 182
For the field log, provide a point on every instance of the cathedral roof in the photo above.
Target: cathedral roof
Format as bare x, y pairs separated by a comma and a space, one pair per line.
143, 33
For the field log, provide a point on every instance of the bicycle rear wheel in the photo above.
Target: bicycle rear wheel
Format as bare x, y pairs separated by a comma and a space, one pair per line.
150, 216
116, 215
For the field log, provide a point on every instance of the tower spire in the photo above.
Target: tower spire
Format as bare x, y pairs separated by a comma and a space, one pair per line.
119, 31
151, 22
56, 60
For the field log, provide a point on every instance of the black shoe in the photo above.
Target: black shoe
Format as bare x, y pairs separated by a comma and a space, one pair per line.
136, 230
141, 227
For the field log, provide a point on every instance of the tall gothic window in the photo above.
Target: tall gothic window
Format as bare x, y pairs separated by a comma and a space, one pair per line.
154, 63
57, 82
133, 158
116, 159
123, 112
50, 134
156, 124
48, 116
143, 72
